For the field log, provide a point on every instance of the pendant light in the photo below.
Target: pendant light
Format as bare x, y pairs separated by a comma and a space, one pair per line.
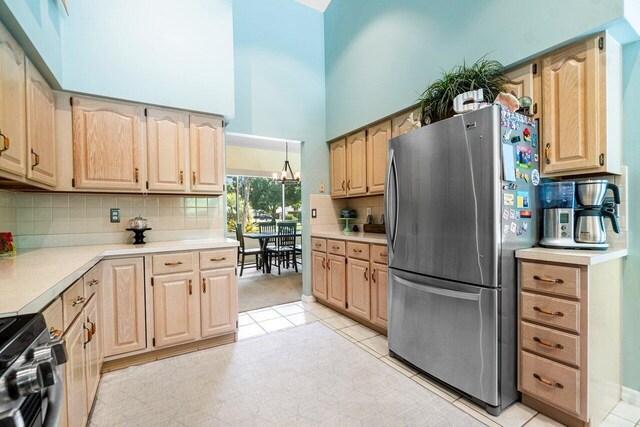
286, 176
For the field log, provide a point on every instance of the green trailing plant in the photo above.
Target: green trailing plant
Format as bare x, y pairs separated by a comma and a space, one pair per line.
436, 102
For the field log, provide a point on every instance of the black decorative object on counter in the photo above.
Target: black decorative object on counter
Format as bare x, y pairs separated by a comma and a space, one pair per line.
138, 235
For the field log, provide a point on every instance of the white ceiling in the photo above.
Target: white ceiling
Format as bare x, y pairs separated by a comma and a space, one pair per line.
320, 5
261, 142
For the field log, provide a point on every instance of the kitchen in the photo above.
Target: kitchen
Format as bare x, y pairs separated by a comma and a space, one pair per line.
345, 77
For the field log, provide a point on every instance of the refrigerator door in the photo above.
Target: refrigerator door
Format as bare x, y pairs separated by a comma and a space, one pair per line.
442, 199
448, 330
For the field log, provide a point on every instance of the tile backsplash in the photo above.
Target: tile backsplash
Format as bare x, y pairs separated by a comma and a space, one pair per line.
328, 211
54, 219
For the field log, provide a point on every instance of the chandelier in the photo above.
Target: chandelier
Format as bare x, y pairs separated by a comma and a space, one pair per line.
286, 176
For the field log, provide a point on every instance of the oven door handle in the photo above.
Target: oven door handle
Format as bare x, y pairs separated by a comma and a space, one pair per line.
55, 397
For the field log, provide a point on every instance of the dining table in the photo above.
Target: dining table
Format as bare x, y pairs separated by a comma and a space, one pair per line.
264, 238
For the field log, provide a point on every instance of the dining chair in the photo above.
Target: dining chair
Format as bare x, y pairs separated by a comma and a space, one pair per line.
284, 246
244, 251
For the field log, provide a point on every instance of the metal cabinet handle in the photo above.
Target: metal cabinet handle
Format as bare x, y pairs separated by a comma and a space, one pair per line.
349, 185
384, 254
193, 176
93, 325
78, 300
94, 282
366, 276
328, 266
36, 160
181, 177
173, 263
137, 175
335, 247
548, 382
218, 259
204, 286
547, 312
357, 250
548, 280
548, 344
317, 245
5, 143
343, 187
56, 332
547, 153
323, 265
190, 287
90, 332
373, 275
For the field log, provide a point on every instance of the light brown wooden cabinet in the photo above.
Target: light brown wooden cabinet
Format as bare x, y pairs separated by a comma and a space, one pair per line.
357, 164
405, 122
107, 145
379, 289
41, 129
166, 158
319, 275
13, 138
338, 156
525, 81
336, 280
207, 153
92, 348
377, 138
219, 301
76, 374
176, 309
123, 306
580, 115
358, 289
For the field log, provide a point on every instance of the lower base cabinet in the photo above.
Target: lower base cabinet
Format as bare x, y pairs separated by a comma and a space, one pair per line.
76, 374
92, 348
319, 275
218, 302
379, 289
358, 291
337, 280
175, 309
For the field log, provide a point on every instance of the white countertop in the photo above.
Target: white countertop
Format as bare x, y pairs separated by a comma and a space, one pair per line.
33, 278
572, 256
376, 238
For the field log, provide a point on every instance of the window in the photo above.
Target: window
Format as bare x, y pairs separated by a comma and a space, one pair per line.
255, 199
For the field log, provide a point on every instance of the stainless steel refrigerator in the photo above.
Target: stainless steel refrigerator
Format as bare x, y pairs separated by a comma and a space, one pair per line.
460, 199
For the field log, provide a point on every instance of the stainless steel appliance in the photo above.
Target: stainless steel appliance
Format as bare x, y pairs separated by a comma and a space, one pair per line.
581, 227
31, 391
459, 201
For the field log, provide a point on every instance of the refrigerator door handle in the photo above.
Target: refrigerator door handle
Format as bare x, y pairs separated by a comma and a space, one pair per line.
470, 296
391, 202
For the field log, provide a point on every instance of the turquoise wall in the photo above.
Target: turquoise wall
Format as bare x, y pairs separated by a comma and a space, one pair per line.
178, 54
279, 86
380, 54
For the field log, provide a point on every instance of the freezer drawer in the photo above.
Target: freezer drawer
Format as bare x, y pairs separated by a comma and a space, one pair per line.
448, 330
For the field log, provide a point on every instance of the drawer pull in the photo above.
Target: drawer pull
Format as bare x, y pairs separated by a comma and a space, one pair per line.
547, 312
384, 254
56, 332
94, 282
173, 263
218, 259
548, 344
335, 247
357, 250
78, 300
548, 280
548, 382
317, 245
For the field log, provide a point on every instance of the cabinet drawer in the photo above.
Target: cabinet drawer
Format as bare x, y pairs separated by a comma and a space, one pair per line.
337, 247
218, 259
358, 250
72, 302
559, 345
551, 311
379, 254
557, 384
54, 317
318, 244
92, 280
552, 279
172, 263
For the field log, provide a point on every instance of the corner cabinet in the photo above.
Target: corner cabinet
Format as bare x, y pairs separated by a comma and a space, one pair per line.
107, 145
581, 94
166, 156
206, 135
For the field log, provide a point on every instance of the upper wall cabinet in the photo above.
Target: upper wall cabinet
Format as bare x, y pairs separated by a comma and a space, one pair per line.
357, 164
12, 106
41, 130
338, 151
525, 81
405, 122
581, 94
206, 136
166, 158
377, 138
107, 145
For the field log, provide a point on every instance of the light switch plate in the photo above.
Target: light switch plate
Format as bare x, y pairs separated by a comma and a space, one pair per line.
114, 215
314, 213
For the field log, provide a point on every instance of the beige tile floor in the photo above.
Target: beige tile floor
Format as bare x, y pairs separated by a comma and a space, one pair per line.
331, 371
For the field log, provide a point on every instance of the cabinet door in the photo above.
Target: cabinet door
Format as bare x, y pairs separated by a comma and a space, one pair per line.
358, 290
41, 131
525, 81
357, 164
319, 275
405, 122
107, 145
377, 137
338, 152
379, 278
219, 301
93, 332
176, 309
207, 153
337, 280
13, 135
574, 102
123, 307
166, 150
75, 372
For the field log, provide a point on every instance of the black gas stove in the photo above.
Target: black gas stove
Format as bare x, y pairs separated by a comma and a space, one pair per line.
31, 391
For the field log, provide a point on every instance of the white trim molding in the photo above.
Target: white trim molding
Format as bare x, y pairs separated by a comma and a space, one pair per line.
631, 396
308, 298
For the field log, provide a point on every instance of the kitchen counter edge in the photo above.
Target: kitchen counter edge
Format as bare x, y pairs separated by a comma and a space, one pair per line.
571, 256
375, 238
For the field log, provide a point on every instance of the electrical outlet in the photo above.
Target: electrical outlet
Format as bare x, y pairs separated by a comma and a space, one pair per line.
115, 215
368, 211
321, 189
314, 213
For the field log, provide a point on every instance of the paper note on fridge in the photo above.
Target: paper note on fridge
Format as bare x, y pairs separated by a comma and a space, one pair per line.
508, 163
